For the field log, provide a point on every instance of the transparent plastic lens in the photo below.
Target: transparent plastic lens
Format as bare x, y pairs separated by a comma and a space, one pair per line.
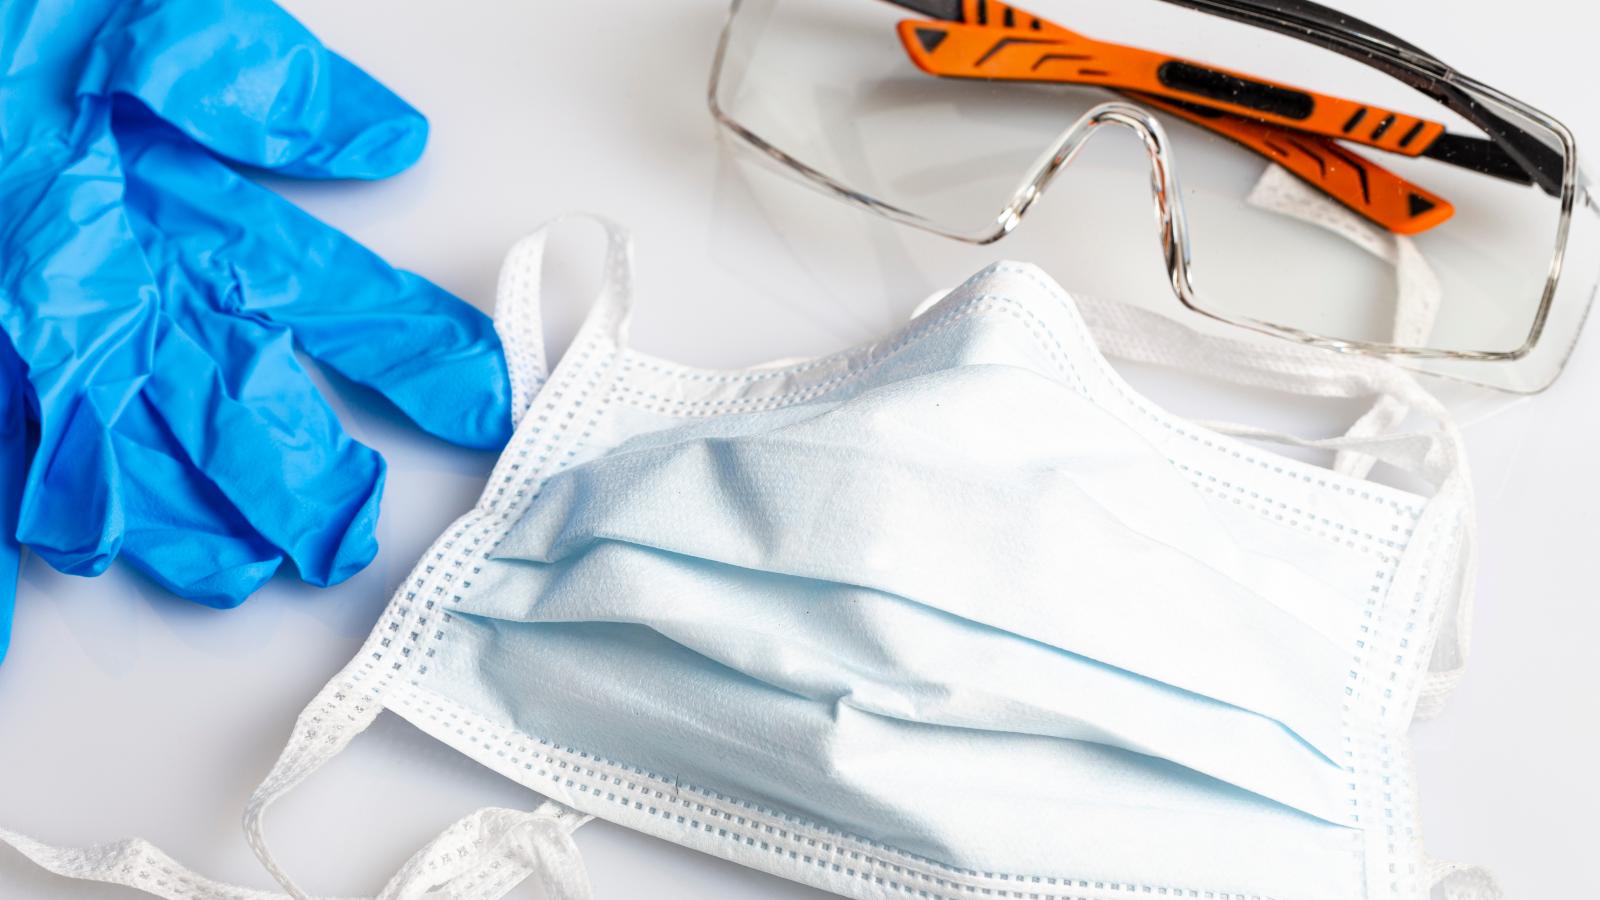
832, 89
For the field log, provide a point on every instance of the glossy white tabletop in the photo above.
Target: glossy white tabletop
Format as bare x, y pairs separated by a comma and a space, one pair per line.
125, 711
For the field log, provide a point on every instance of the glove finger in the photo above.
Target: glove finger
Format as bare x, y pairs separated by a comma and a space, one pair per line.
247, 80
71, 513
433, 355
79, 310
249, 420
180, 529
149, 505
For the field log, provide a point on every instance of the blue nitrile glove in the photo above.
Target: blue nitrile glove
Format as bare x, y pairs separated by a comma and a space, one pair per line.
13, 466
156, 296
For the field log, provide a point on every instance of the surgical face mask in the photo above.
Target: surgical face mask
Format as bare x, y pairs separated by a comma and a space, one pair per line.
954, 614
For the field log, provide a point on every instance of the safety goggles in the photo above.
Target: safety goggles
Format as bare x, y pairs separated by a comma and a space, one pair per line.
954, 115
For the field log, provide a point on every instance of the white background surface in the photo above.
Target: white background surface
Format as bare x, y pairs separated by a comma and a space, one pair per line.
124, 711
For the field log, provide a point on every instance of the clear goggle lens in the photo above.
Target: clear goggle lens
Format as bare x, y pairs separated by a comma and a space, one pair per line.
1375, 242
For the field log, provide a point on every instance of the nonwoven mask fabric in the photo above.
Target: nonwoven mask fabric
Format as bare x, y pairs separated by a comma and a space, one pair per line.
953, 614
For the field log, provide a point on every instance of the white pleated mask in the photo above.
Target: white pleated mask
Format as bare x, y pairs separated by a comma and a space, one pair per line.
954, 614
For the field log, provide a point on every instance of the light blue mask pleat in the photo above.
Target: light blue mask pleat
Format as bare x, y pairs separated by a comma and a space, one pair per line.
959, 492
957, 795
878, 653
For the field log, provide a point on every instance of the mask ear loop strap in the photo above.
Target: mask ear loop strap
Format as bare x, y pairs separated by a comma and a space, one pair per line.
491, 851
131, 863
1140, 335
481, 857
1417, 291
518, 309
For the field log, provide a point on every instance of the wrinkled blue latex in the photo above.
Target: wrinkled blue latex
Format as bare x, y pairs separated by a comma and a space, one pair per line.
13, 462
155, 296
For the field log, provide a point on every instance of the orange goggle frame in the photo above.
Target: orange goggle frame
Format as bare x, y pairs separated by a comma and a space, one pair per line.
1298, 129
